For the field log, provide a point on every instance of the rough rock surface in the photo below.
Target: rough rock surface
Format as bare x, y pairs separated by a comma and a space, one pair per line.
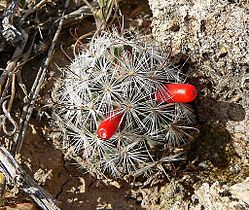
210, 40
214, 36
216, 196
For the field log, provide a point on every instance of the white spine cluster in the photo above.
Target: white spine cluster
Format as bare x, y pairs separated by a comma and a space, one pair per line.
116, 75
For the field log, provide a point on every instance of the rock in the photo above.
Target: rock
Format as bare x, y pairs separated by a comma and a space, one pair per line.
222, 197
241, 190
216, 196
212, 37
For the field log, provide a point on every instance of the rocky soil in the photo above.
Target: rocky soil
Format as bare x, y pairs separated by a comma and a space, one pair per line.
209, 39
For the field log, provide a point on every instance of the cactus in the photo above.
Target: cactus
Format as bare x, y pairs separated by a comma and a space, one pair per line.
118, 113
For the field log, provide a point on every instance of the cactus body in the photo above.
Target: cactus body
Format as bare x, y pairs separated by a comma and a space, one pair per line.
106, 101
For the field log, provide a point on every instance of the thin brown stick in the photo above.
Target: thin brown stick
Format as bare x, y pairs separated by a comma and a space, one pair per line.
37, 6
89, 6
79, 14
27, 110
13, 90
5, 90
80, 38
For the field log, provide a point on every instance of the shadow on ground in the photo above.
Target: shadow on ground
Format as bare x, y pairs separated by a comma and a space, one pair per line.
213, 147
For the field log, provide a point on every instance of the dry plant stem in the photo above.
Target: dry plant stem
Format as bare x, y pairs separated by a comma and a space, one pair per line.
27, 110
2, 5
19, 50
13, 90
25, 59
7, 116
79, 39
27, 13
15, 175
12, 64
104, 13
20, 83
99, 24
79, 14
89, 6
9, 32
114, 4
2, 187
7, 78
5, 90
116, 11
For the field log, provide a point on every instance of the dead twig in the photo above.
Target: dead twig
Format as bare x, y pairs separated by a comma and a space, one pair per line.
11, 34
27, 109
15, 175
6, 116
33, 9
79, 14
13, 90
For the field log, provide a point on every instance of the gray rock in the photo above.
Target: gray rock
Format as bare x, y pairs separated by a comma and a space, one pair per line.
214, 38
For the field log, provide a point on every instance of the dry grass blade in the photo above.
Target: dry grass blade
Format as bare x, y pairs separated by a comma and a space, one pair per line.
103, 14
79, 14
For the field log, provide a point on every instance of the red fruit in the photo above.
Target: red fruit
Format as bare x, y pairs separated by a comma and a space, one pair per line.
176, 93
109, 125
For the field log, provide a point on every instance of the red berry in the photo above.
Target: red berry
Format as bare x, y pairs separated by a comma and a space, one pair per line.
109, 125
176, 93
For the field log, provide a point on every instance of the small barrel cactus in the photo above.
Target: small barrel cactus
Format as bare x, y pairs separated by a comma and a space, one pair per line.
122, 105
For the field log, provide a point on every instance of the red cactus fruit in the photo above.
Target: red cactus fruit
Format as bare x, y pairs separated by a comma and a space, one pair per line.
176, 93
109, 125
